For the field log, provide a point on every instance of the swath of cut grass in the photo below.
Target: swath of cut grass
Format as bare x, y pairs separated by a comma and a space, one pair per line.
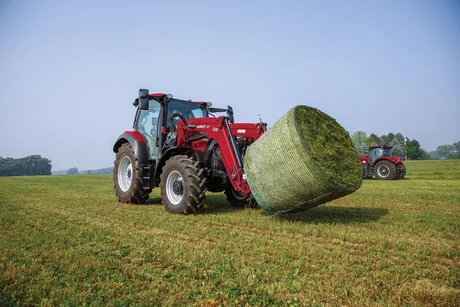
65, 240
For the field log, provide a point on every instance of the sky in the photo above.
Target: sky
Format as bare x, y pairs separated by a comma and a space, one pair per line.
70, 70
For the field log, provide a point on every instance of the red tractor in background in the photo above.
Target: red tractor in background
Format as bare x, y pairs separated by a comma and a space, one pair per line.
183, 148
381, 163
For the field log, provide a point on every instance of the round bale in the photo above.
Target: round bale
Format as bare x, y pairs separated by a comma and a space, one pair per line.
304, 160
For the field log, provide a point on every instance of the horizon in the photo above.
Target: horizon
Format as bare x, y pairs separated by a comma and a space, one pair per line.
72, 70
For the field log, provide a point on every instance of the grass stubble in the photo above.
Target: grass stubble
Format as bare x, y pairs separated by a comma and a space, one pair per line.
65, 240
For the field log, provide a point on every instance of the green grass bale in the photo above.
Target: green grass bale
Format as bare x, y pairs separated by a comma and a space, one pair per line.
304, 160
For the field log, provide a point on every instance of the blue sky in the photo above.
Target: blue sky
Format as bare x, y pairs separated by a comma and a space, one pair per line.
70, 71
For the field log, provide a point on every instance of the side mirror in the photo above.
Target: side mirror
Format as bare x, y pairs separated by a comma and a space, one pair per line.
230, 114
144, 99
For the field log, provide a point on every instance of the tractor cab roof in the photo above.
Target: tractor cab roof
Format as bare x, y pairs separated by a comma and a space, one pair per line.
380, 146
160, 96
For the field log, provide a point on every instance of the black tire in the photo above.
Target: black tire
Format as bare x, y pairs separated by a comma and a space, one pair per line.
237, 199
127, 177
385, 170
182, 184
365, 173
401, 171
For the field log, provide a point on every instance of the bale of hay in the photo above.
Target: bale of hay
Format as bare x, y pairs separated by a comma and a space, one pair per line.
304, 160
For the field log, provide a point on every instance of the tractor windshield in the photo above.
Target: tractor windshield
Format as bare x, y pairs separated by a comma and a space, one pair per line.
187, 109
378, 152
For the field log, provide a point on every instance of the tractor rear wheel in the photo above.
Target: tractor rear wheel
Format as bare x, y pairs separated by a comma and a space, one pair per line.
237, 199
385, 170
182, 185
127, 177
401, 171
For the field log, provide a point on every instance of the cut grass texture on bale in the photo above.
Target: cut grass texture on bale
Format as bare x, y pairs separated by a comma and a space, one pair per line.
304, 160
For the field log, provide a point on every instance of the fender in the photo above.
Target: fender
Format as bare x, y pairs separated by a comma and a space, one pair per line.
208, 150
394, 160
138, 143
364, 160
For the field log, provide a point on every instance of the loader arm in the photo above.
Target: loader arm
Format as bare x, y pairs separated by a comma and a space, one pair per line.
200, 131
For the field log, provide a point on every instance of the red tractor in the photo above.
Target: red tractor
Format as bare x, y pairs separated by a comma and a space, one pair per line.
183, 148
382, 163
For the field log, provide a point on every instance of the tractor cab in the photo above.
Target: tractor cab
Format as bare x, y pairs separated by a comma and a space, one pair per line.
378, 151
157, 113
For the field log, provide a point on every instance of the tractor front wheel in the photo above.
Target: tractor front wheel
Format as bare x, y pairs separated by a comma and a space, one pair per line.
366, 173
182, 185
385, 170
127, 177
237, 199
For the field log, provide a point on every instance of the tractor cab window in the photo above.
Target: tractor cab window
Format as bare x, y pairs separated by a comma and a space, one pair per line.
148, 126
378, 152
187, 109
375, 153
387, 152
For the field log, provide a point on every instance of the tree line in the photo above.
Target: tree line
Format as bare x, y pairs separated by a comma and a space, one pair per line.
27, 166
451, 151
403, 147
76, 171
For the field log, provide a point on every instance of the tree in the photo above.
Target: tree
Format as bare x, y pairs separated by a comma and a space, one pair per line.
359, 140
72, 171
374, 139
30, 165
449, 151
456, 146
413, 150
445, 151
387, 139
38, 165
397, 142
424, 155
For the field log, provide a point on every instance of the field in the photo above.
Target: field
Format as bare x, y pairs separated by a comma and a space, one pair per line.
65, 240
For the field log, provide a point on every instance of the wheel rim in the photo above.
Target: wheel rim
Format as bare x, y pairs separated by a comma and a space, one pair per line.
384, 171
239, 196
175, 187
125, 174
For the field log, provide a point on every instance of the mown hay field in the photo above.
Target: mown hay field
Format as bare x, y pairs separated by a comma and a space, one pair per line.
65, 240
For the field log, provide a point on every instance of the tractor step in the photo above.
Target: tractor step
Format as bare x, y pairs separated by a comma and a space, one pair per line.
146, 176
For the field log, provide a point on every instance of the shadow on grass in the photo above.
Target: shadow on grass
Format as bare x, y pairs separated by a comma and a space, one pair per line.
336, 215
217, 204
155, 200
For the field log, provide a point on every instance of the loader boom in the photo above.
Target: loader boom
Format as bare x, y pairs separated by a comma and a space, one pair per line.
199, 132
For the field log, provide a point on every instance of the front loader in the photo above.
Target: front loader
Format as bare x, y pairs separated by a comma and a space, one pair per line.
186, 150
